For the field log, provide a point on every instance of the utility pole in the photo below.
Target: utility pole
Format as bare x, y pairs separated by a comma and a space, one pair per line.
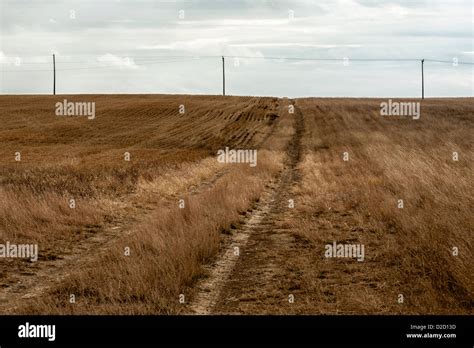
54, 74
422, 79
223, 76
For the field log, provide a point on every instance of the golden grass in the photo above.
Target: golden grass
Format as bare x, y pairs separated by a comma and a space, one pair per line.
172, 158
167, 250
409, 250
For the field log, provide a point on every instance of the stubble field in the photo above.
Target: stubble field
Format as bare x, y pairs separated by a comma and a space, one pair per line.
172, 230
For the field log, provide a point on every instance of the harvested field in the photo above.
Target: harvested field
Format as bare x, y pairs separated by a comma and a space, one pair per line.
173, 230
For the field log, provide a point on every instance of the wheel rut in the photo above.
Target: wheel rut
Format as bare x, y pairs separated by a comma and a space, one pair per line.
48, 273
255, 273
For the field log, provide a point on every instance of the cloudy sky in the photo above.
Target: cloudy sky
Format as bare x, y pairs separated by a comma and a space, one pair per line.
166, 46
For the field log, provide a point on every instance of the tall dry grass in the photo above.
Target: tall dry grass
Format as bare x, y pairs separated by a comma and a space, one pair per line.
172, 158
409, 251
167, 250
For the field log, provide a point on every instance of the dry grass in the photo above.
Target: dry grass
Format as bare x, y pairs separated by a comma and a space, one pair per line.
409, 250
134, 204
172, 157
167, 250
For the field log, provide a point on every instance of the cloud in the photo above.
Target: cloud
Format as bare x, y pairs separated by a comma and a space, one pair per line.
119, 62
126, 34
210, 44
207, 46
3, 58
228, 23
294, 44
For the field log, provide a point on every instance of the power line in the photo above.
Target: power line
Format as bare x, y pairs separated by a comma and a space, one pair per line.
448, 62
102, 66
147, 57
182, 58
145, 60
329, 59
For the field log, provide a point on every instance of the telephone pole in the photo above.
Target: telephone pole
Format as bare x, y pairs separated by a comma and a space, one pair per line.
223, 76
422, 79
54, 74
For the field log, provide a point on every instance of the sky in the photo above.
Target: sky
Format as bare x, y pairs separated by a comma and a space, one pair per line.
166, 46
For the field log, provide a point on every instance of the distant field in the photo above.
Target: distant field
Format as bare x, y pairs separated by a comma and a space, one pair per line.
157, 234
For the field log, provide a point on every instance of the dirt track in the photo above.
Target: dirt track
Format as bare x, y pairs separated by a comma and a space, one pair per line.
170, 138
257, 273
50, 272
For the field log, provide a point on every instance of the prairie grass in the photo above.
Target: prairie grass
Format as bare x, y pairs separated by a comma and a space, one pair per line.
409, 251
172, 157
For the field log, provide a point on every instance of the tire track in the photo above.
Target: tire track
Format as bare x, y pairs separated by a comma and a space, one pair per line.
224, 279
48, 273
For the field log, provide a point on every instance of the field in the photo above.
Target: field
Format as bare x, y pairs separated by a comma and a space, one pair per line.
133, 213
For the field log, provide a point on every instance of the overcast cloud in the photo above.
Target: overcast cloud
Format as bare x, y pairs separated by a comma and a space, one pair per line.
138, 46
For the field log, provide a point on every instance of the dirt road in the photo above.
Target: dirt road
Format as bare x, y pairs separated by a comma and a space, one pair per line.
259, 272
